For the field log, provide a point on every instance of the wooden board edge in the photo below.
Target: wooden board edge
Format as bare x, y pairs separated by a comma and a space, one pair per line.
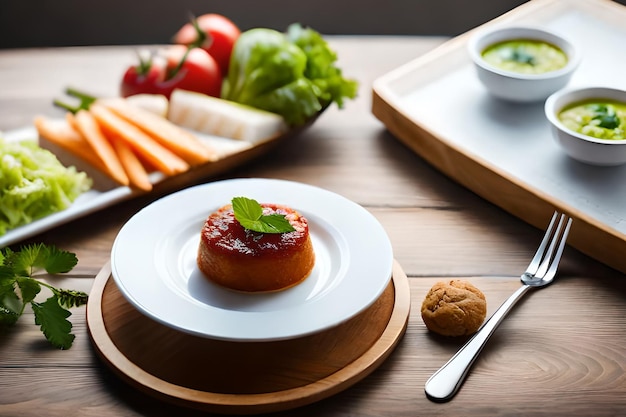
254, 403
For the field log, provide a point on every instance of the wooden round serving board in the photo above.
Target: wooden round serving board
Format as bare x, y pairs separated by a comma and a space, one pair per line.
243, 377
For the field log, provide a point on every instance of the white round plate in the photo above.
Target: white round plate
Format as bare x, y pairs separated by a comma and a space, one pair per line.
153, 263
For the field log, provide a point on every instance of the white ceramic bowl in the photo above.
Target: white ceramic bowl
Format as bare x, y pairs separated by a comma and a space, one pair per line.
514, 86
577, 145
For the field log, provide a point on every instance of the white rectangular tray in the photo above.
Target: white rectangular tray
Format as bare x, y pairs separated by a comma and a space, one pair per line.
504, 151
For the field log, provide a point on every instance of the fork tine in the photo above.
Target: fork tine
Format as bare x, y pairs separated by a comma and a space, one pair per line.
557, 257
533, 266
547, 258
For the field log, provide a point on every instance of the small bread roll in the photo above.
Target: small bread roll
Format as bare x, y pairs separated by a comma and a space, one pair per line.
454, 308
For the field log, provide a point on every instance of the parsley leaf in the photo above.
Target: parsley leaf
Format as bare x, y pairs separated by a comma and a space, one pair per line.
52, 318
49, 258
249, 214
7, 317
28, 287
10, 307
18, 288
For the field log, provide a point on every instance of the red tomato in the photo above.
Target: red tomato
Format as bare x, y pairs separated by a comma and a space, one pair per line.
196, 71
139, 80
220, 32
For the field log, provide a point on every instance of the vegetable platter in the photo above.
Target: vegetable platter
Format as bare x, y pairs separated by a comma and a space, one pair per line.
213, 100
505, 151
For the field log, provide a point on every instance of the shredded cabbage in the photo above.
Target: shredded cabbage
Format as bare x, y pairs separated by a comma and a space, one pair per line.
34, 184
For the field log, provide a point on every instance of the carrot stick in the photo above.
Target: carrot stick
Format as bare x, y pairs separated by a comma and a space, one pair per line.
63, 134
88, 126
171, 136
71, 120
137, 174
163, 159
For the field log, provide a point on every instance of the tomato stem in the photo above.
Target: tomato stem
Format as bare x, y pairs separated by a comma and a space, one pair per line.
171, 74
145, 62
202, 36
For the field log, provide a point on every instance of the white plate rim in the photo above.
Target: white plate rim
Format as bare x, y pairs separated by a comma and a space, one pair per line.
347, 286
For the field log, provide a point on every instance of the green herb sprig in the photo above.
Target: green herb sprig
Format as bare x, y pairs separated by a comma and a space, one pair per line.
249, 214
518, 54
605, 115
18, 288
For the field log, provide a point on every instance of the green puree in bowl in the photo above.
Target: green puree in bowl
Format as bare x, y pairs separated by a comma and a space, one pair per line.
526, 56
601, 119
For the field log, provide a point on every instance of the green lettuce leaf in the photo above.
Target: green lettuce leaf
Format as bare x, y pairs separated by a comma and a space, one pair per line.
34, 184
293, 74
321, 66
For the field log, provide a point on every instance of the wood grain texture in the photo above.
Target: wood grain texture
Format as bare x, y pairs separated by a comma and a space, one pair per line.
244, 378
560, 352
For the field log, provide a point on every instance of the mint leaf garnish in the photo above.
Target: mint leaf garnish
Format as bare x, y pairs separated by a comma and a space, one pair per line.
249, 214
18, 288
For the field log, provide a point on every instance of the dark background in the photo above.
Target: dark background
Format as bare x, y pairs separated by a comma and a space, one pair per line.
35, 23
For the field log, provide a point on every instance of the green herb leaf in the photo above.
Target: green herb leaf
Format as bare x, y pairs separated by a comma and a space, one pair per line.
276, 223
40, 256
18, 288
26, 260
249, 214
606, 116
59, 261
7, 317
52, 318
518, 54
29, 288
246, 210
11, 306
6, 274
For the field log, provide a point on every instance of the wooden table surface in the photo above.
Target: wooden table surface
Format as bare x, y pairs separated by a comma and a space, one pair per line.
561, 352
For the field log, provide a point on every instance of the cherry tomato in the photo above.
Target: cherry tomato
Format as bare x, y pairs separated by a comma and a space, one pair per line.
142, 79
214, 33
176, 67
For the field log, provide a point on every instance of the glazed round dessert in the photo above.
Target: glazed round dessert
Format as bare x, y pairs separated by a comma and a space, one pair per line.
245, 260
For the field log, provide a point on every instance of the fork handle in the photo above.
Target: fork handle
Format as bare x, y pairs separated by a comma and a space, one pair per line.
445, 383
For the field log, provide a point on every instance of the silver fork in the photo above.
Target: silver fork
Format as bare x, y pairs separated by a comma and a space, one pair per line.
445, 383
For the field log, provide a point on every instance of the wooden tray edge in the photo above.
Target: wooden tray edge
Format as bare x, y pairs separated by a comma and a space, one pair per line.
535, 207
249, 403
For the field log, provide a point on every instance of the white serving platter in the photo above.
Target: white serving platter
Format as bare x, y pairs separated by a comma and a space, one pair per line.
505, 151
104, 193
